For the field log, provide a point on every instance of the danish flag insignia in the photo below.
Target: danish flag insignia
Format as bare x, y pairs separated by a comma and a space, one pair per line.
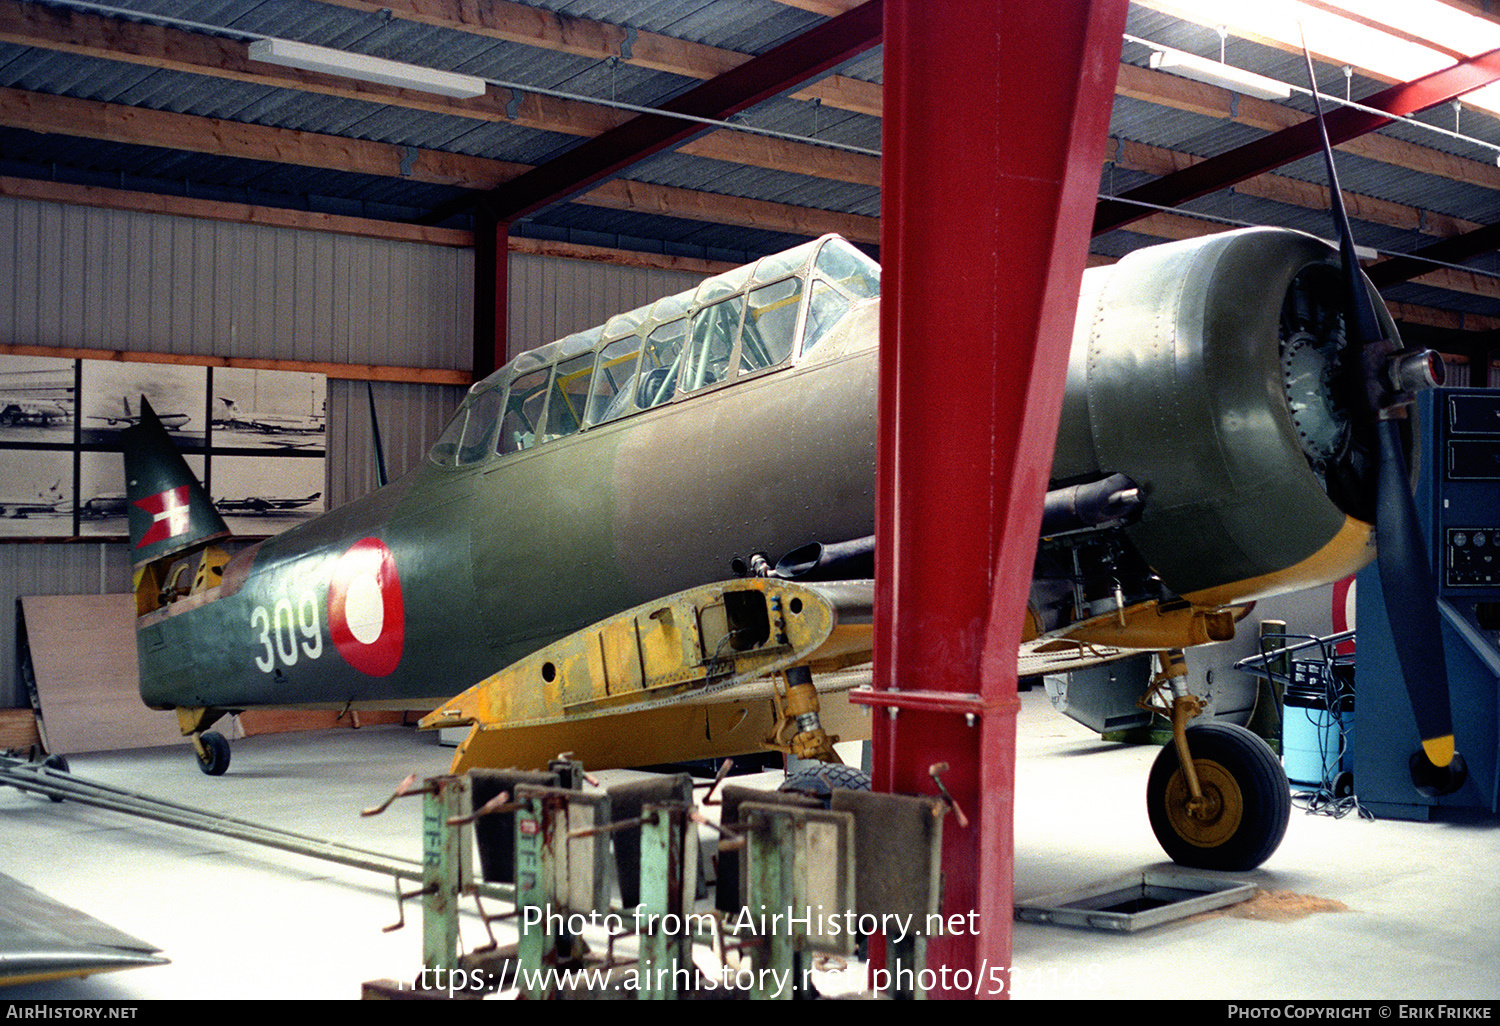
169, 515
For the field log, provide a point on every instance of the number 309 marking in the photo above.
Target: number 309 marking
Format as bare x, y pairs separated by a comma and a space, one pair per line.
287, 631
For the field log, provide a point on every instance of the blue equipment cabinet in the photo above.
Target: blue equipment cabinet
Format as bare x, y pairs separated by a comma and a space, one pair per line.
1457, 440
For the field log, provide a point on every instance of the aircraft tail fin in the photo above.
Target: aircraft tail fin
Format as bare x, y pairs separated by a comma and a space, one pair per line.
170, 512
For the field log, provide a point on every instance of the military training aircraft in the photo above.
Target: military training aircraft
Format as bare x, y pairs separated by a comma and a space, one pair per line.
568, 549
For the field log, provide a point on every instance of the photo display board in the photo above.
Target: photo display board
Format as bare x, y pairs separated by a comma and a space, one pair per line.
256, 438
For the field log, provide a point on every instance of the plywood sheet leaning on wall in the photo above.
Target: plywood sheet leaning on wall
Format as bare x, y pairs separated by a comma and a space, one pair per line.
83, 657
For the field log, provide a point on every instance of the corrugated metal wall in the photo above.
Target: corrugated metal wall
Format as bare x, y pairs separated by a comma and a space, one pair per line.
110, 279
105, 279
550, 298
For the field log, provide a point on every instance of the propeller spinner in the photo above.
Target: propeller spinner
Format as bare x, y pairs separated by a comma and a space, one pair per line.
1379, 383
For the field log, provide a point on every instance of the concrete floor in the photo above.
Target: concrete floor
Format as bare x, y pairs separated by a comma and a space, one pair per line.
243, 922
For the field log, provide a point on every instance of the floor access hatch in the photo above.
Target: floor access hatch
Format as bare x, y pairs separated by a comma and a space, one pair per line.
1134, 901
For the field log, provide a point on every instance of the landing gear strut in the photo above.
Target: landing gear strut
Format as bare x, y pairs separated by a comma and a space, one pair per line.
1217, 797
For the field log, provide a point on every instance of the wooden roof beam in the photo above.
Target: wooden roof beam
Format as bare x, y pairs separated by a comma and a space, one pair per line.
1302, 139
1157, 160
91, 119
155, 46
517, 23
61, 30
1172, 227
1178, 93
604, 156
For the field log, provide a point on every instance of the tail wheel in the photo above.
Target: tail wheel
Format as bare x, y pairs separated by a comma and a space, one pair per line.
213, 756
1246, 804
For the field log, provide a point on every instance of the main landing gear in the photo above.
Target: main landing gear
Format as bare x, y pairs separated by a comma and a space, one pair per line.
1244, 800
1217, 797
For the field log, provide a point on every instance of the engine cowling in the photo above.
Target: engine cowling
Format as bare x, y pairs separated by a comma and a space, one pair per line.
1208, 372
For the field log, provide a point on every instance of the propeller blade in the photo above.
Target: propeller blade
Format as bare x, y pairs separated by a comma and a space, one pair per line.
1410, 603
1405, 575
1364, 325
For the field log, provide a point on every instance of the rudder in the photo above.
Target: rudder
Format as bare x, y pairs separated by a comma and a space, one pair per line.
170, 513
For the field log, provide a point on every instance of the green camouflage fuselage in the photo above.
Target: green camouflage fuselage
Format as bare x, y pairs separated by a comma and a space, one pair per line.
497, 558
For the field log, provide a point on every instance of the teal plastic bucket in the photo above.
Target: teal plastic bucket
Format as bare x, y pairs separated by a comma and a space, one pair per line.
1314, 737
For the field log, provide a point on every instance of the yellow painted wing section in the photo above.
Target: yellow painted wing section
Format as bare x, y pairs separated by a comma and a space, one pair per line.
672, 733
690, 648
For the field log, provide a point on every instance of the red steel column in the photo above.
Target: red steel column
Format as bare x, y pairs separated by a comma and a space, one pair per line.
996, 115
491, 294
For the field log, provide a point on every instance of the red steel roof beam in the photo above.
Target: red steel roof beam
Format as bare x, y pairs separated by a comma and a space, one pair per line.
810, 54
1298, 141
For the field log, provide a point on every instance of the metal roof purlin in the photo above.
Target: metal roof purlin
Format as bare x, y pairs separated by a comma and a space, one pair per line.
1298, 141
814, 51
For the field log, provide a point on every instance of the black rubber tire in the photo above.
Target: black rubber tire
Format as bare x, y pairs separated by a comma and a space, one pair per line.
819, 781
217, 747
1254, 800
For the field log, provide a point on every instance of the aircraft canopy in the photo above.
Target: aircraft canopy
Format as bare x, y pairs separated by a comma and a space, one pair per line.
750, 320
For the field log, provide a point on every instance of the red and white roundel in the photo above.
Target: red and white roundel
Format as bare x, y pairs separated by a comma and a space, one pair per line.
366, 618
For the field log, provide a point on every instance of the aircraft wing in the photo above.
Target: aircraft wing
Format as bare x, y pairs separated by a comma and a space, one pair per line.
762, 688
689, 665
42, 939
1063, 655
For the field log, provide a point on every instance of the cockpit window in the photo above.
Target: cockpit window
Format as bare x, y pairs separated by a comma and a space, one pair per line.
609, 397
570, 390
445, 450
528, 394
770, 325
780, 264
484, 411
715, 329
659, 358
824, 309
745, 321
849, 269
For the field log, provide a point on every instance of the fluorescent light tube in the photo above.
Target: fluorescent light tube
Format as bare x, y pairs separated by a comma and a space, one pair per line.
1201, 69
366, 69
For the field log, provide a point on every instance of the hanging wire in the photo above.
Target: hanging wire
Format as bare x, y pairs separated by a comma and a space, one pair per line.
222, 30
1319, 681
